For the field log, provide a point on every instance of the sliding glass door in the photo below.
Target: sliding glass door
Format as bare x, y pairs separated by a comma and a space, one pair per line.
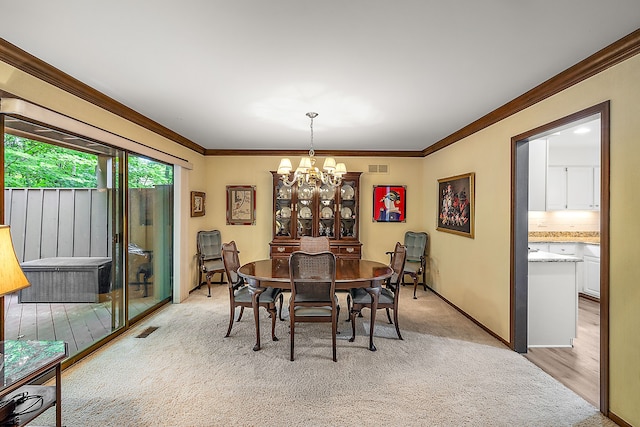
92, 226
150, 234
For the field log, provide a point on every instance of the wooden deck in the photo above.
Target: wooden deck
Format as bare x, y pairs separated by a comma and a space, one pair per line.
79, 324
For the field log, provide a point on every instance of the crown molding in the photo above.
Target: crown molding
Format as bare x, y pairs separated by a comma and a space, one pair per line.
333, 153
611, 55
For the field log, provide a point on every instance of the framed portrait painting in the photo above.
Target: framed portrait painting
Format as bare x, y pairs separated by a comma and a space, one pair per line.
389, 203
197, 203
456, 204
241, 205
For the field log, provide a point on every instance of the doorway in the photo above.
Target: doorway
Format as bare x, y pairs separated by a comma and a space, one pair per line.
522, 148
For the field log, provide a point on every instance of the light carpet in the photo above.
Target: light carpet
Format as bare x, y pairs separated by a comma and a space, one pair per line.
446, 372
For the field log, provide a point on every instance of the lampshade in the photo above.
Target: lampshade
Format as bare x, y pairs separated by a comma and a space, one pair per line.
305, 163
284, 167
329, 164
11, 276
341, 169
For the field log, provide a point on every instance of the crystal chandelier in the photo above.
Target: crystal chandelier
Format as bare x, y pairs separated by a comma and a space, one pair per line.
307, 172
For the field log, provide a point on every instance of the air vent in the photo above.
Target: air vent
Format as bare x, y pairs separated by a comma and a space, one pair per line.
379, 169
147, 332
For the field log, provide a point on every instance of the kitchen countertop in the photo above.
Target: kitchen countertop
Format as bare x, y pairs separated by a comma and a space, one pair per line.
541, 256
590, 237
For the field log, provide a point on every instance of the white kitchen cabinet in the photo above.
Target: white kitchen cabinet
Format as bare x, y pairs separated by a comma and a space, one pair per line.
552, 302
556, 188
537, 174
580, 188
563, 248
596, 188
591, 270
573, 188
544, 247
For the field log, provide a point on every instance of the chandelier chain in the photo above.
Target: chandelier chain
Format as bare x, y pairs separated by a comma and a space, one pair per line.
308, 173
312, 152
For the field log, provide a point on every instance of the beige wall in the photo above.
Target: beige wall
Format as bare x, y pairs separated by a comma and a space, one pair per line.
474, 274
253, 241
471, 273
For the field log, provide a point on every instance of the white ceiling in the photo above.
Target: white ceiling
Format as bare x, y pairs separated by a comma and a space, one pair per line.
383, 75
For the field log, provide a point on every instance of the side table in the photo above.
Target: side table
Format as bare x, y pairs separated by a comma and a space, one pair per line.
24, 363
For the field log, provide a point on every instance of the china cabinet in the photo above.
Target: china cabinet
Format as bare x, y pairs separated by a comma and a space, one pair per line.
317, 210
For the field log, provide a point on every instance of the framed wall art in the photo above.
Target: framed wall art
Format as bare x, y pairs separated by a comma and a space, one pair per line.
389, 203
197, 203
241, 204
456, 204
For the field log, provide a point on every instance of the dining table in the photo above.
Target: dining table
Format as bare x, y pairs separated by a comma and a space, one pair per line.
350, 273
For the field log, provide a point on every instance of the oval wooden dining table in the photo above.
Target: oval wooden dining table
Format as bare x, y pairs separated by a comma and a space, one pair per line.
350, 273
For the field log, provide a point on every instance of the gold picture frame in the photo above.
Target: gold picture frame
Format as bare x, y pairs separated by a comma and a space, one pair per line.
241, 204
197, 203
456, 205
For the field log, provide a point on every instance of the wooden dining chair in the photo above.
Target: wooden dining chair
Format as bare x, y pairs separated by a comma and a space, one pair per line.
239, 295
209, 257
314, 244
313, 297
359, 298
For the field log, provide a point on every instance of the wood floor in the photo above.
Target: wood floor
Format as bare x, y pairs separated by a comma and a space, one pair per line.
578, 368
79, 324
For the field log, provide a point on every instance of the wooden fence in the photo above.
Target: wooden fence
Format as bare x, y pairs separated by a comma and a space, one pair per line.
58, 222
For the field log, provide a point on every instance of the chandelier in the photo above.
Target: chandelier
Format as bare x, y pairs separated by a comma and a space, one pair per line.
307, 172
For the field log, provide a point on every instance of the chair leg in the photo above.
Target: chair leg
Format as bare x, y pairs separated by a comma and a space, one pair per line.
389, 316
348, 308
395, 318
334, 331
424, 279
353, 325
209, 284
291, 334
280, 310
415, 286
241, 312
272, 310
231, 316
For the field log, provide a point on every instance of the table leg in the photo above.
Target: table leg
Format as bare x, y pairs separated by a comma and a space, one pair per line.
374, 291
255, 290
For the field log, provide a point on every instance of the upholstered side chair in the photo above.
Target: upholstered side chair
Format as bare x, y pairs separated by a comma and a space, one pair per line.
209, 257
416, 265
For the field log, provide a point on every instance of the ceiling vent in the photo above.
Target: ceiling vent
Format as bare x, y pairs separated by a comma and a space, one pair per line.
379, 169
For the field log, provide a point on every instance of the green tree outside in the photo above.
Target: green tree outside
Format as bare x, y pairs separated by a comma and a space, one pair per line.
33, 164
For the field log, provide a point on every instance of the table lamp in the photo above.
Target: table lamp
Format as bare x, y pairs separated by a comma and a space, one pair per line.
12, 277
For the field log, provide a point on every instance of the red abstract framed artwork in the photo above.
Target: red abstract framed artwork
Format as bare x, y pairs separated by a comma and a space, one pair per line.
389, 203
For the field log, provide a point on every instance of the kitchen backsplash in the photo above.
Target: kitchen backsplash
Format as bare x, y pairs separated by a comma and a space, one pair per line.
564, 221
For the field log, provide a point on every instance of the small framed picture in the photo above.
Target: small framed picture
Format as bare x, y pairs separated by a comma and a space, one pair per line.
389, 203
197, 203
241, 204
456, 204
